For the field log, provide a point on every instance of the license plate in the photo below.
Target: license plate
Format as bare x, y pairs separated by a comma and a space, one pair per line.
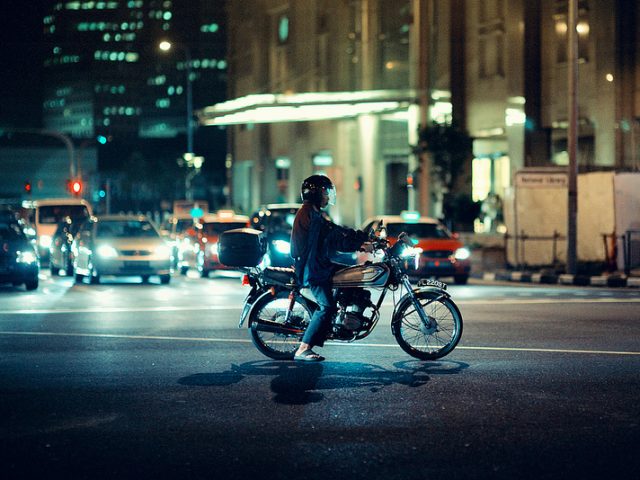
136, 264
429, 282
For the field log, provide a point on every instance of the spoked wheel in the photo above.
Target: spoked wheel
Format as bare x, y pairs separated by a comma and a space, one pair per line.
428, 341
273, 344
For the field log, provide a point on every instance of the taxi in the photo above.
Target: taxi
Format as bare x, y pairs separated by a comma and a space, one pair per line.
436, 253
208, 233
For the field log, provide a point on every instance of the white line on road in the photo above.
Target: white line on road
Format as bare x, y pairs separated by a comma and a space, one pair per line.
192, 308
57, 311
373, 345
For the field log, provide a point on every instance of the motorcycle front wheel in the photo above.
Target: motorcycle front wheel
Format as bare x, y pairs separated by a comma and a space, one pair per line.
273, 308
435, 339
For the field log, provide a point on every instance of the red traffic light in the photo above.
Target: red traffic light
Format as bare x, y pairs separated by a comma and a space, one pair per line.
27, 187
76, 187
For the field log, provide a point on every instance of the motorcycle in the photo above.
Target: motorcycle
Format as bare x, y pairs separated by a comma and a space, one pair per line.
426, 323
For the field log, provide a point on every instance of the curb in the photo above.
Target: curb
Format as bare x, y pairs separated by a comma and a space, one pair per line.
611, 281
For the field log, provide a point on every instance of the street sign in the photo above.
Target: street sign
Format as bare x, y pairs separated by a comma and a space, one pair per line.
541, 180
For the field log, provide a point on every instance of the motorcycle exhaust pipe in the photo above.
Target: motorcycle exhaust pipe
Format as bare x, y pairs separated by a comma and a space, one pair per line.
275, 327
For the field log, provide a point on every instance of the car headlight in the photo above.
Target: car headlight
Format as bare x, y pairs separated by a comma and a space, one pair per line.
462, 253
27, 257
107, 251
213, 248
282, 246
45, 241
163, 251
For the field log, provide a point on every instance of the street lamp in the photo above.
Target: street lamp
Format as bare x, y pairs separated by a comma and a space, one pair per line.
166, 46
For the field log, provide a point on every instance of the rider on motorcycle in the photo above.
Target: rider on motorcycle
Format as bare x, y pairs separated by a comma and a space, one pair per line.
313, 238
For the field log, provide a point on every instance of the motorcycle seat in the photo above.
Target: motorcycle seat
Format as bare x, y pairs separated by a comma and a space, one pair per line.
280, 275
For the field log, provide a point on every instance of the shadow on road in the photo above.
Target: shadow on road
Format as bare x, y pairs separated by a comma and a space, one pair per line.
301, 383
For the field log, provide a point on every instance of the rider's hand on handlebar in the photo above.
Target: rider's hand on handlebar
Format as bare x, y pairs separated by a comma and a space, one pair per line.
367, 247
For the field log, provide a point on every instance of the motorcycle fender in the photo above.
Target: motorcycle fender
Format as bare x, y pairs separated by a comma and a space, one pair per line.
249, 302
437, 292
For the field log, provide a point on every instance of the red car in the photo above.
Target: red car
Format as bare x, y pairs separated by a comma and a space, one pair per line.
207, 237
439, 252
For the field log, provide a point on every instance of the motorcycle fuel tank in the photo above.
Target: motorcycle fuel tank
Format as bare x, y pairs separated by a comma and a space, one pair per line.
362, 276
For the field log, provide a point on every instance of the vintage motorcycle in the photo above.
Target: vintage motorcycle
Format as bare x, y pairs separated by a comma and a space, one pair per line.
426, 323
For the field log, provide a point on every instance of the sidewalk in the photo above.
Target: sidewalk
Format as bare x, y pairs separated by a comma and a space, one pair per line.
609, 280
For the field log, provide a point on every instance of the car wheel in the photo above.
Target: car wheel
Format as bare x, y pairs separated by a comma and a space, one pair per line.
165, 279
184, 270
145, 278
32, 284
79, 278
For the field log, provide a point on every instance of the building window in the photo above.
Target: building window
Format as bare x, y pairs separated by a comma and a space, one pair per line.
491, 33
562, 30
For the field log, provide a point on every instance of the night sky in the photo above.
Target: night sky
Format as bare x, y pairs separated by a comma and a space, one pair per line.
21, 55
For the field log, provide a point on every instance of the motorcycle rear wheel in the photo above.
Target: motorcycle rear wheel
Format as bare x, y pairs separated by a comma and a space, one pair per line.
279, 346
423, 342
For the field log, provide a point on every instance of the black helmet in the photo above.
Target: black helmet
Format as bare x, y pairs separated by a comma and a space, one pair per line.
314, 186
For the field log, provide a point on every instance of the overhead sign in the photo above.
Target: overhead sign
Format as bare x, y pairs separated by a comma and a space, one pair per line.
541, 180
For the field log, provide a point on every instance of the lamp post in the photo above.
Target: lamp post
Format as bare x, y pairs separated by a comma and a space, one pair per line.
166, 46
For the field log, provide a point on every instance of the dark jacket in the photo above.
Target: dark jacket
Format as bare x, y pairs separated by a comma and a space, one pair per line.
313, 239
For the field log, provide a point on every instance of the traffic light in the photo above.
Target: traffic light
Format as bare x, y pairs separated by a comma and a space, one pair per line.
27, 187
75, 186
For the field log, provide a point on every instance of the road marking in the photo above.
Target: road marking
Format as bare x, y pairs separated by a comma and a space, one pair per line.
373, 345
164, 308
191, 308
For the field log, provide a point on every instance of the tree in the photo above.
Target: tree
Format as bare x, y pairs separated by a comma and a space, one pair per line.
449, 148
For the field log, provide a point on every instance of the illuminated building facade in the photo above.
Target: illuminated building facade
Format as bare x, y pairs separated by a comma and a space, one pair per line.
338, 86
106, 76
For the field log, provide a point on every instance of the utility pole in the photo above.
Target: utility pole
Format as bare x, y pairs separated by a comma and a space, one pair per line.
572, 136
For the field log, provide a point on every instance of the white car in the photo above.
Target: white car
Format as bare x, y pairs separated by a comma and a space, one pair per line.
121, 245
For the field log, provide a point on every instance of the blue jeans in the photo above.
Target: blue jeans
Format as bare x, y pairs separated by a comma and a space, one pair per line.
320, 324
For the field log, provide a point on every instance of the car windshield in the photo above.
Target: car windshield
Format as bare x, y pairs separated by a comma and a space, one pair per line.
417, 230
10, 231
56, 213
125, 228
183, 224
280, 220
215, 228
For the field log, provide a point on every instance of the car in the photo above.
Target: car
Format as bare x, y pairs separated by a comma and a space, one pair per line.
439, 253
276, 221
60, 252
19, 262
120, 245
47, 213
180, 232
209, 230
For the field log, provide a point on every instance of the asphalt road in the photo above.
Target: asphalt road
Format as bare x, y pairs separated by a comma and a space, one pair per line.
125, 380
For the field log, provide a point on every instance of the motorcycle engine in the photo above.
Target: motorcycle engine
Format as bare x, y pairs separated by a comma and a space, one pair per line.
353, 302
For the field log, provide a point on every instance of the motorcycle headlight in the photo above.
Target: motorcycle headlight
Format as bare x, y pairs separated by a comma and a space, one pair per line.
107, 251
45, 241
27, 257
462, 253
411, 252
282, 246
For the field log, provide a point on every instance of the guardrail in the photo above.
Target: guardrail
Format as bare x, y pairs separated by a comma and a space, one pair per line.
631, 250
520, 246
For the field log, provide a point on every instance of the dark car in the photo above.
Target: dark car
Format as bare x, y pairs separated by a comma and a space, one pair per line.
18, 257
276, 221
60, 253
